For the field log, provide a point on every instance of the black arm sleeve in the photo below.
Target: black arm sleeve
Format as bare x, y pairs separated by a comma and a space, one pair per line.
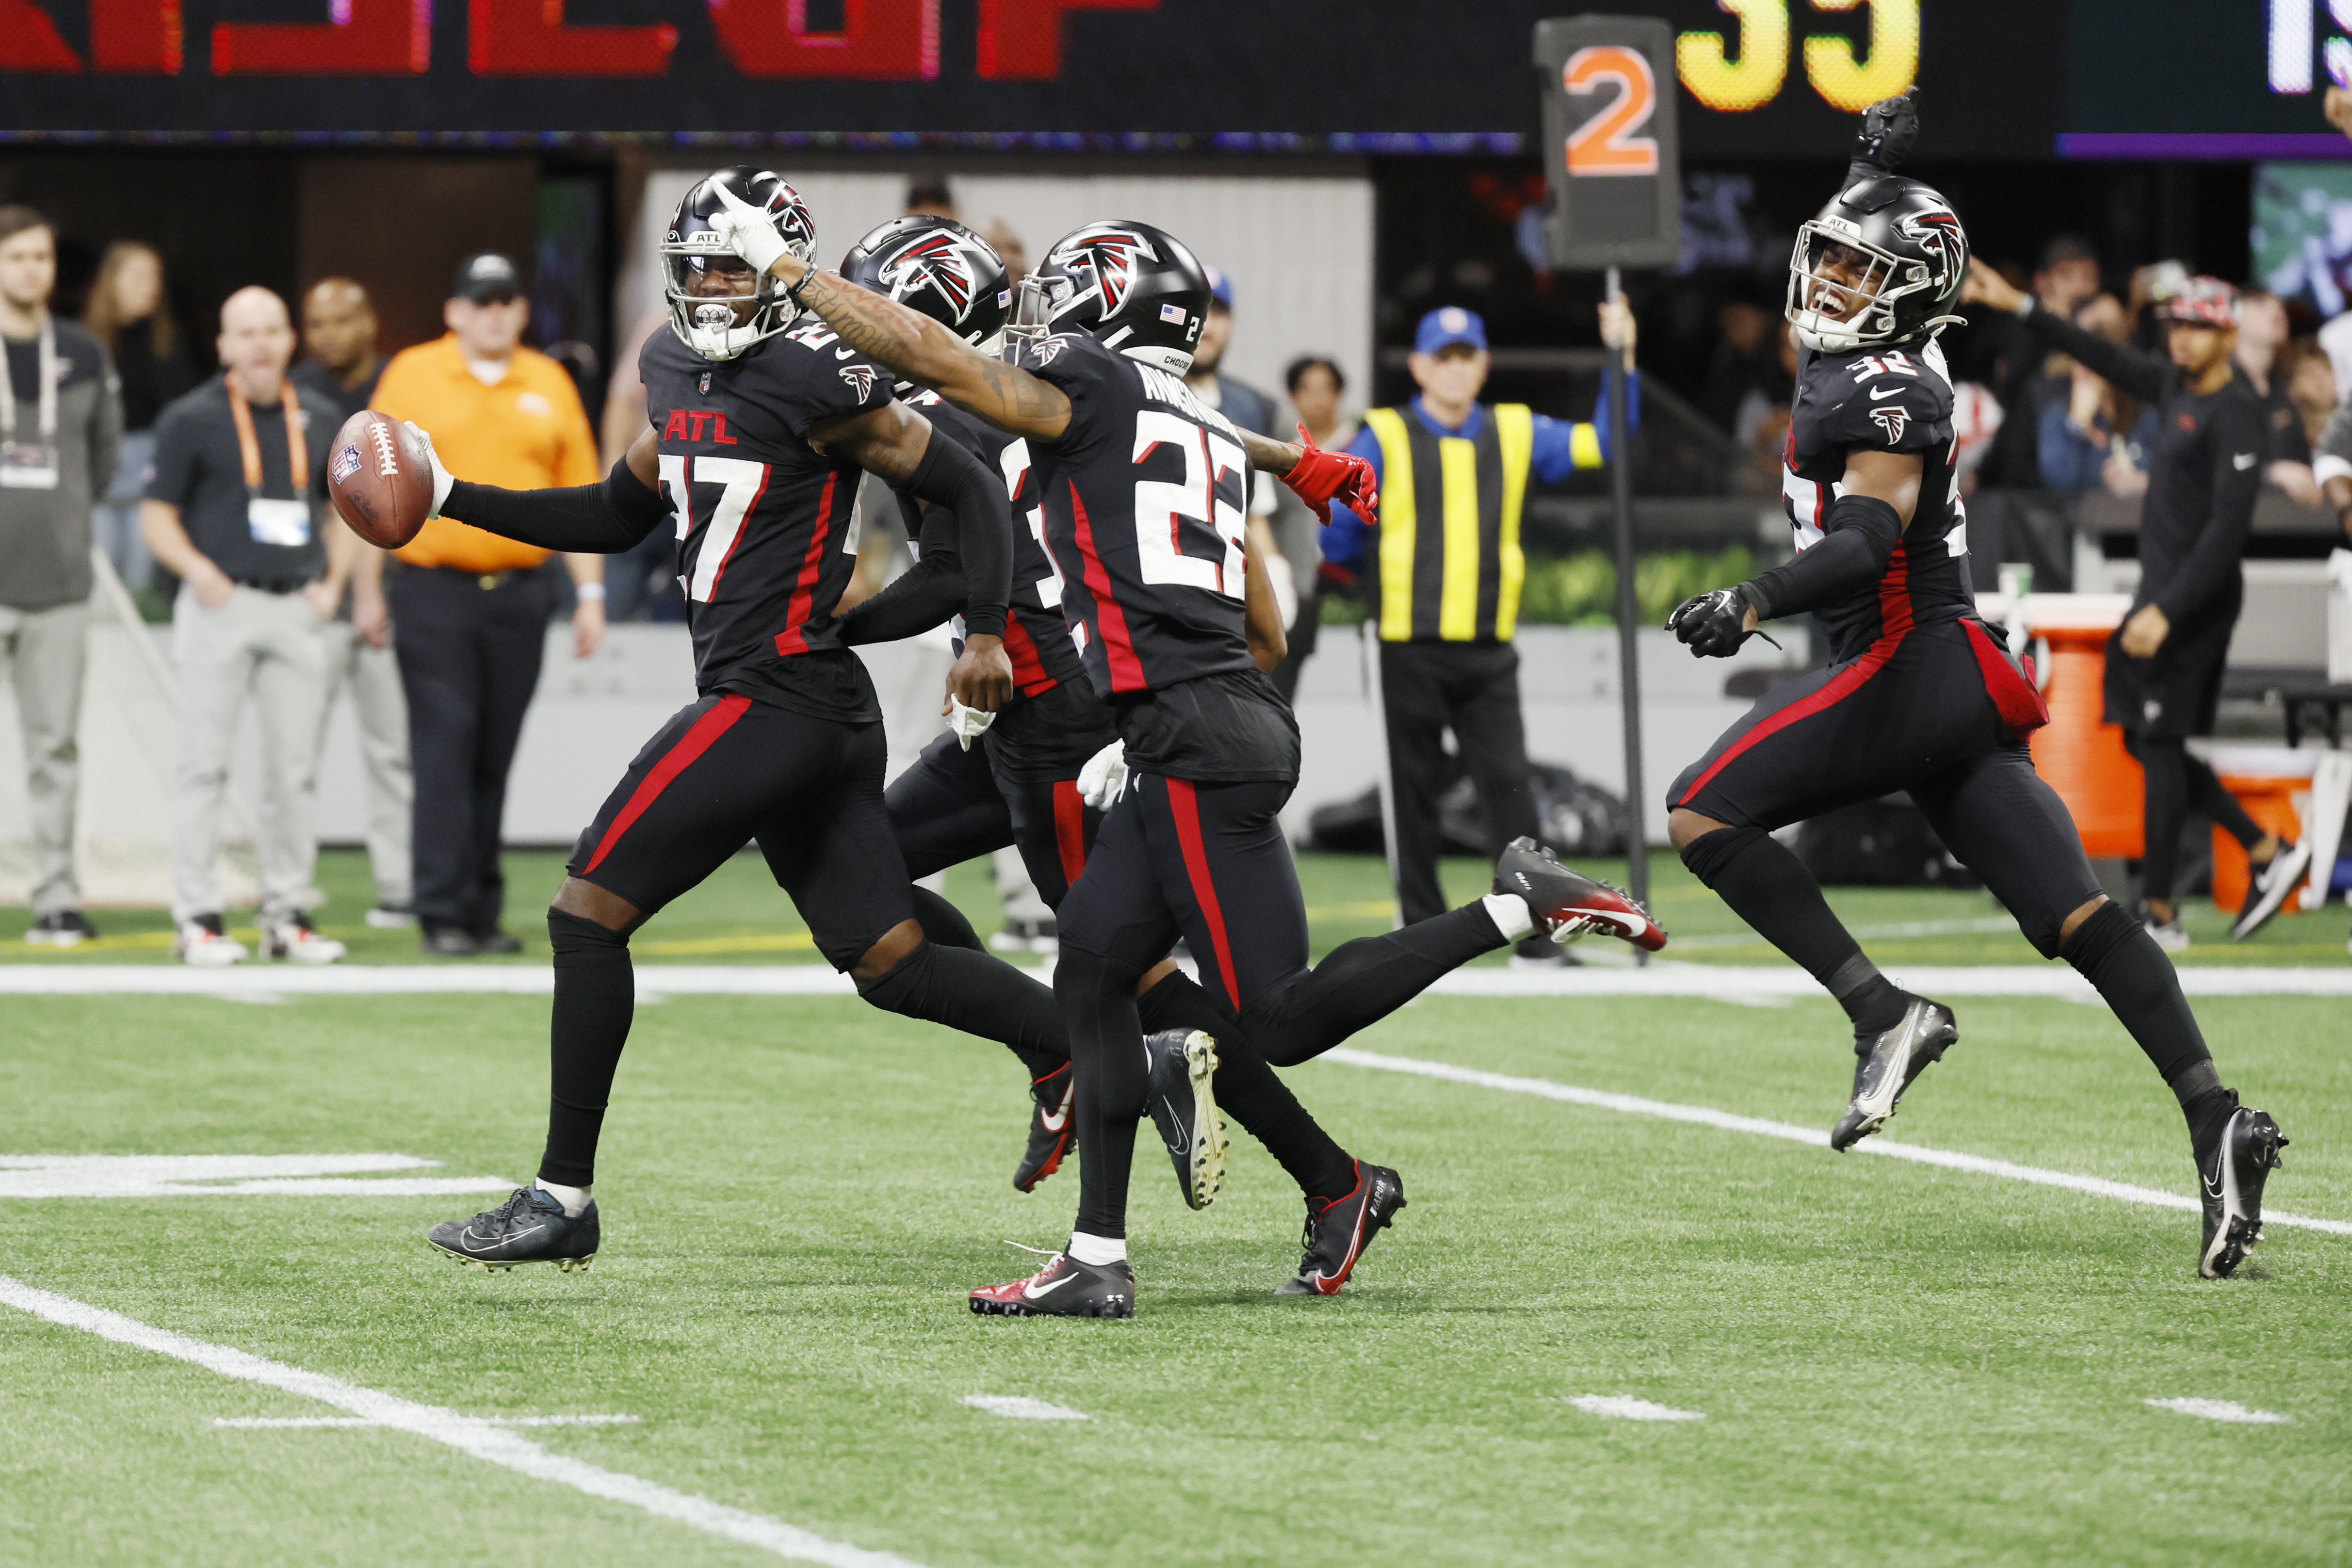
593, 519
923, 596
2144, 375
950, 477
1859, 537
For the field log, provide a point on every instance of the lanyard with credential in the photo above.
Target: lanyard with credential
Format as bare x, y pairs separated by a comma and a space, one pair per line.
248, 445
48, 378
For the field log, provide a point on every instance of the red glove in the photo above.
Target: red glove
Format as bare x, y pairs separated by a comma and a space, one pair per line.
1322, 478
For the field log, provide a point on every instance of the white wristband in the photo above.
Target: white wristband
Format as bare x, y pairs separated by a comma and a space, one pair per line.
590, 591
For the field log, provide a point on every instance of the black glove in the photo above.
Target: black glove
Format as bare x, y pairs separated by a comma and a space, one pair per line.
1889, 129
1714, 624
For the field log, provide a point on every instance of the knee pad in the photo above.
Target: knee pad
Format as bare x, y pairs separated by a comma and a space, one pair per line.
1709, 852
2109, 929
577, 938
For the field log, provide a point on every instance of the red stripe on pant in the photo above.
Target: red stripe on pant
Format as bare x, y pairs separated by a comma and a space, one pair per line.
697, 740
1185, 808
792, 639
1119, 647
1070, 828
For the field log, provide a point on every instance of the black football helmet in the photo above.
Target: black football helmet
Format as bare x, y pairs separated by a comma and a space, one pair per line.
1912, 256
1138, 288
940, 267
721, 326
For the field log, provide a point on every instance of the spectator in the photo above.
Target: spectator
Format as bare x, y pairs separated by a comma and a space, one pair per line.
2262, 334
2094, 436
1253, 410
235, 512
930, 193
336, 381
338, 329
1008, 245
2020, 377
1443, 574
473, 608
1751, 370
1316, 387
131, 318
60, 420
2311, 383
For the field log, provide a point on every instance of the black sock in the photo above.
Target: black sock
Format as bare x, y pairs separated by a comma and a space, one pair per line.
1106, 1049
1248, 1091
1365, 981
595, 1000
1772, 889
979, 995
944, 923
2114, 951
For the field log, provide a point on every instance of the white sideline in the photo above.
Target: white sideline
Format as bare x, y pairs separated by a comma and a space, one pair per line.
1636, 1105
1626, 1408
2221, 1410
1721, 982
1022, 1407
485, 1440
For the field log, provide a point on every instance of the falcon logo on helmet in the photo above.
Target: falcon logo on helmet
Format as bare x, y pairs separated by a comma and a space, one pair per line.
1111, 251
1937, 233
936, 262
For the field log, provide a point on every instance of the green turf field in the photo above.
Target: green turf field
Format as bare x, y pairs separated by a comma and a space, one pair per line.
1894, 1363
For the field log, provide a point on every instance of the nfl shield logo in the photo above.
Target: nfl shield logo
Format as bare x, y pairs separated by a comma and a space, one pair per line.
706, 383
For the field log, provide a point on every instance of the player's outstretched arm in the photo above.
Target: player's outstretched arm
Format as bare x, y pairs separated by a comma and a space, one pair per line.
603, 518
898, 446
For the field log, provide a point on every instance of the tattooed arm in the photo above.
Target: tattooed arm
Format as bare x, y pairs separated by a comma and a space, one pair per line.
927, 353
1270, 456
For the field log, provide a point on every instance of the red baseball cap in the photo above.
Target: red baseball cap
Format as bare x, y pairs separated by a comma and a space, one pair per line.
2203, 302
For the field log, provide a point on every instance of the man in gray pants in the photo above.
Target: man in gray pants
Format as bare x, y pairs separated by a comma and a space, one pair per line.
61, 422
234, 510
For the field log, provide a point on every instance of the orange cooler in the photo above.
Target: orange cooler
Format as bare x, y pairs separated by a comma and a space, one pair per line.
2080, 757
2266, 780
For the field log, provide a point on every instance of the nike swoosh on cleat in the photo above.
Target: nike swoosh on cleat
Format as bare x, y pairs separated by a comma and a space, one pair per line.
1033, 1291
1632, 925
477, 1239
1056, 1121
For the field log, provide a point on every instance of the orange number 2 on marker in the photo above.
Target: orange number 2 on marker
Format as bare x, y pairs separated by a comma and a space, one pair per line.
1604, 144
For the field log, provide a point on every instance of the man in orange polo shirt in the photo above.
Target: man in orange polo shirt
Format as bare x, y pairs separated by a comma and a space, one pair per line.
473, 608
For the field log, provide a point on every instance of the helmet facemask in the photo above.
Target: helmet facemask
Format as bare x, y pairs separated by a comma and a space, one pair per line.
1871, 291
719, 325
1037, 300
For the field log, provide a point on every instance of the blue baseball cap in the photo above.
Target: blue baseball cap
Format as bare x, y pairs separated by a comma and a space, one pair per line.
1221, 288
1448, 326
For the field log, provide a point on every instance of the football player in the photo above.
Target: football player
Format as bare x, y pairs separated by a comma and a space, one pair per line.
1920, 695
1017, 784
1141, 488
760, 421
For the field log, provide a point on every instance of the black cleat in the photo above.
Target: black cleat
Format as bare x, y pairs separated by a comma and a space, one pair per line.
1340, 1228
529, 1228
1064, 1288
1889, 1062
1567, 904
1053, 1127
2230, 1174
1185, 1109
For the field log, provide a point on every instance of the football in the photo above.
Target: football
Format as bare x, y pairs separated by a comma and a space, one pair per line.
381, 479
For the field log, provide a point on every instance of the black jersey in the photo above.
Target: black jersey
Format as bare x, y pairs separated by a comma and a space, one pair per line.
1145, 497
1890, 399
767, 526
1036, 639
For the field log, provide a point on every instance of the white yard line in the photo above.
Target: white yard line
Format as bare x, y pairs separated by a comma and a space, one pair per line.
2221, 1410
1720, 982
1701, 1115
306, 1422
1020, 1407
485, 1440
1626, 1408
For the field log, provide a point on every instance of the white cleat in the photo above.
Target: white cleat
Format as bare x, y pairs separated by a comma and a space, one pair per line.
294, 939
202, 944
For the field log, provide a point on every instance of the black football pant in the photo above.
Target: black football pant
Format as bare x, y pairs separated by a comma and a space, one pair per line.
2175, 781
1915, 714
723, 771
1208, 863
953, 806
1473, 689
469, 659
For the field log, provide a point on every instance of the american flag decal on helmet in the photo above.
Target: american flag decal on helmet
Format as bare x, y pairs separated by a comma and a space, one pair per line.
1110, 250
